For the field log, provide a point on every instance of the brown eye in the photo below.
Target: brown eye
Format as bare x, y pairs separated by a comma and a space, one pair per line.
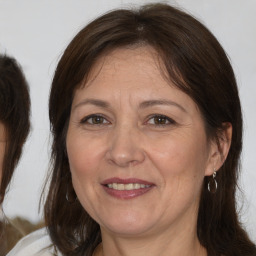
97, 120
94, 120
160, 120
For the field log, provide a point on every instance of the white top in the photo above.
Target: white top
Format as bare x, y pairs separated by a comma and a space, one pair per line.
37, 243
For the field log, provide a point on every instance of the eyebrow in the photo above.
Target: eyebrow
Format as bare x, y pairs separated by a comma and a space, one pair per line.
142, 105
98, 103
150, 103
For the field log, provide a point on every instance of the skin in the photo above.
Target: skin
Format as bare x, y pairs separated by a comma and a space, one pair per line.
127, 141
2, 147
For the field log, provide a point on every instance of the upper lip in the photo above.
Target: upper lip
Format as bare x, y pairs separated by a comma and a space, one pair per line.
126, 181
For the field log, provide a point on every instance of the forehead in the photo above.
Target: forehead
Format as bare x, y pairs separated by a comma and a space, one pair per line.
124, 62
132, 73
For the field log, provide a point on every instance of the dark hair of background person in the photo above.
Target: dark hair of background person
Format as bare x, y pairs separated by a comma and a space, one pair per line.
14, 115
195, 63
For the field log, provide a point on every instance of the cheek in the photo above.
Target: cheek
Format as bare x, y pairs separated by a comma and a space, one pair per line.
84, 154
83, 158
181, 162
182, 155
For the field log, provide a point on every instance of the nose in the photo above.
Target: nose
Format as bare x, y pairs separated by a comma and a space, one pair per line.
125, 147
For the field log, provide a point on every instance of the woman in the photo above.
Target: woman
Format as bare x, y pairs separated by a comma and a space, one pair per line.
147, 135
14, 129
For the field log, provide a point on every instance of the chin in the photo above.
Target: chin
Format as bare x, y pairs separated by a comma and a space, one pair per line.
128, 225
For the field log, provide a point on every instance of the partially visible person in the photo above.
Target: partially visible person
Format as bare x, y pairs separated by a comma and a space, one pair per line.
14, 129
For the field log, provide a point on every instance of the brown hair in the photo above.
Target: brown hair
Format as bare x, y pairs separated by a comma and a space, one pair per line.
196, 64
14, 114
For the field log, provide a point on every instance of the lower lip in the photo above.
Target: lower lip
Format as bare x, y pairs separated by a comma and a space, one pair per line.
126, 194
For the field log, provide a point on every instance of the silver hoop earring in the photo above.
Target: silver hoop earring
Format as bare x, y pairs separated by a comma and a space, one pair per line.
212, 184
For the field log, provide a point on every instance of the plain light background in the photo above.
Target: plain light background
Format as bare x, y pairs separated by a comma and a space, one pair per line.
37, 32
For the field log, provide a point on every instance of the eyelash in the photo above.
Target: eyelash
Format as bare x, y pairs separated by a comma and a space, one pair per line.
154, 117
86, 119
157, 116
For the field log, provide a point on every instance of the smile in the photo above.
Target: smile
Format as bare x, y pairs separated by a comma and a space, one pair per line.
126, 188
129, 186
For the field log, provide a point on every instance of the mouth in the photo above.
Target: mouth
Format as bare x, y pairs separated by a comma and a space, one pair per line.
129, 186
126, 188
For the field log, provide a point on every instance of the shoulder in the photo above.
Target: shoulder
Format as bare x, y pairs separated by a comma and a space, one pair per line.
37, 243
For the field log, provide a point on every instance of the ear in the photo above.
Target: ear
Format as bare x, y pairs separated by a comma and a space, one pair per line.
219, 148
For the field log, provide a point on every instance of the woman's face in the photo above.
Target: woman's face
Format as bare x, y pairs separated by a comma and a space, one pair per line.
137, 147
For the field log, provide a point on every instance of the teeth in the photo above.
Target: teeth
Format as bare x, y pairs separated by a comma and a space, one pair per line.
129, 186
136, 186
